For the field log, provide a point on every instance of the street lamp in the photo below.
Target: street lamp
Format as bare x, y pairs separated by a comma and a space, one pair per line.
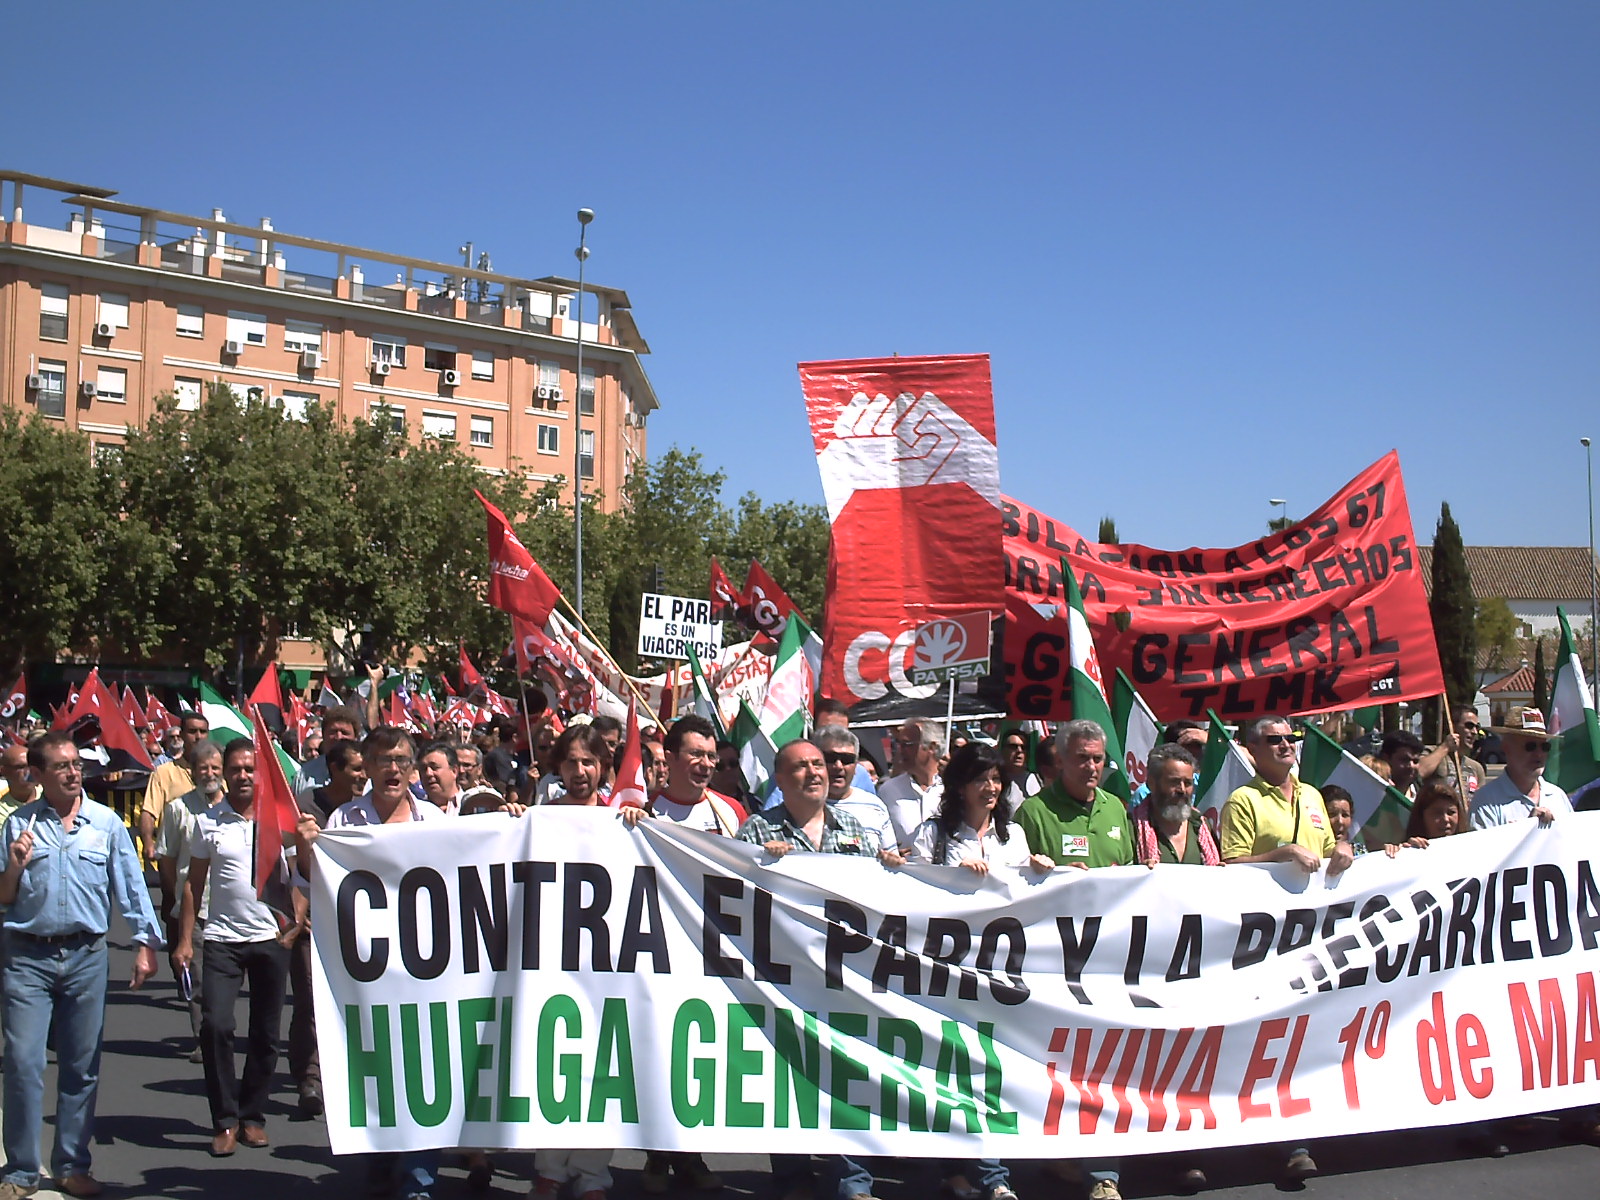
1594, 575
1283, 513
585, 215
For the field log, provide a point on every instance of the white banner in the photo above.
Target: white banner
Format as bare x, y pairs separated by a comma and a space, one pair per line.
669, 625
661, 988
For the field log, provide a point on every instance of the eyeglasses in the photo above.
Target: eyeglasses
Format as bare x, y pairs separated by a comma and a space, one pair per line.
1276, 739
70, 766
394, 760
834, 756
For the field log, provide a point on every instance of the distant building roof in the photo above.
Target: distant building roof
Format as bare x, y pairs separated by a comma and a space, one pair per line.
1522, 572
1519, 682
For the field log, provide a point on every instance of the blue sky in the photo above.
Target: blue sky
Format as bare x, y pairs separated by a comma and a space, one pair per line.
1218, 252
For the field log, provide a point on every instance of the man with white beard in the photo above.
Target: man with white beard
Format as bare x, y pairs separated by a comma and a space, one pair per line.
204, 763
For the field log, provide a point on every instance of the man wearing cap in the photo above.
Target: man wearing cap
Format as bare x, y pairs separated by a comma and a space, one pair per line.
1522, 791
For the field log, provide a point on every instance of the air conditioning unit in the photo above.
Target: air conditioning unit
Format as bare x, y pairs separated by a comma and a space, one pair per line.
232, 348
380, 368
34, 383
449, 378
105, 329
543, 391
87, 390
310, 360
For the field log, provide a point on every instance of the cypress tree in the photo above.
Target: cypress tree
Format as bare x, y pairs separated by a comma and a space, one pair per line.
1108, 531
1454, 611
1541, 679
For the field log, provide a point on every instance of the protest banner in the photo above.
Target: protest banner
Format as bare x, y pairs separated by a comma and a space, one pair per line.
668, 625
1329, 613
664, 988
911, 473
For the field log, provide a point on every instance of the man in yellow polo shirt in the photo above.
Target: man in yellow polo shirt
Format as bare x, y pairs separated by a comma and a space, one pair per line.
1277, 818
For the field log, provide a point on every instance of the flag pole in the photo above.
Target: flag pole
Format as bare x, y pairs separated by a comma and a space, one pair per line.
628, 679
1455, 753
950, 716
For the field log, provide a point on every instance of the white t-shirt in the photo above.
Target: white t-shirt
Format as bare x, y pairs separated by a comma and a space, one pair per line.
692, 816
228, 841
909, 805
965, 843
173, 832
871, 812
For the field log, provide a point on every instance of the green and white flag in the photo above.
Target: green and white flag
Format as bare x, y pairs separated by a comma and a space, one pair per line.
1136, 726
228, 724
705, 704
786, 709
1377, 811
1088, 687
1223, 770
1575, 747
756, 751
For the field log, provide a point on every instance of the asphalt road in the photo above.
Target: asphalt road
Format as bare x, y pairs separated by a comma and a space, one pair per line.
152, 1134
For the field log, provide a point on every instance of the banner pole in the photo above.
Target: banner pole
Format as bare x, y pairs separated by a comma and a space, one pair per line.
628, 679
950, 716
1455, 753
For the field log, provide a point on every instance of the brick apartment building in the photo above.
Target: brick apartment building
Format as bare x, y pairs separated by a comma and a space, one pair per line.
106, 305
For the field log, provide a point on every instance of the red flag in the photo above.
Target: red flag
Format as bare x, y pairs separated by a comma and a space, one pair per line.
422, 706
526, 641
725, 601
769, 605
629, 788
448, 690
517, 584
158, 717
910, 471
396, 714
131, 712
299, 717
14, 703
267, 695
115, 732
471, 680
275, 816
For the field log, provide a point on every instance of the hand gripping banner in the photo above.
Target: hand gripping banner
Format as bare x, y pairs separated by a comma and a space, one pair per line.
561, 981
911, 475
1327, 614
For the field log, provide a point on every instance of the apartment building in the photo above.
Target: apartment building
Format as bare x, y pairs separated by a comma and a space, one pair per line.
105, 305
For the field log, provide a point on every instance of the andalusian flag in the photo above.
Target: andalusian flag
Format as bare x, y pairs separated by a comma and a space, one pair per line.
228, 724
756, 751
786, 710
705, 704
1136, 726
1223, 770
1377, 811
1575, 733
1088, 687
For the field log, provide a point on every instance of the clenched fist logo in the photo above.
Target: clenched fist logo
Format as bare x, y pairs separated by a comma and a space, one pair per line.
906, 441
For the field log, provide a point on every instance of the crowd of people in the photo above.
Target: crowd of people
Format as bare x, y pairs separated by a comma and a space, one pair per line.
1020, 803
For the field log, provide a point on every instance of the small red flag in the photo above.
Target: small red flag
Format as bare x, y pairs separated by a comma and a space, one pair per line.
517, 584
115, 733
275, 815
14, 703
267, 695
471, 680
725, 601
629, 788
770, 605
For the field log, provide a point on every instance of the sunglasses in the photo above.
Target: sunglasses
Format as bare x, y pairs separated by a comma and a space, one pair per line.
1536, 747
835, 757
1276, 739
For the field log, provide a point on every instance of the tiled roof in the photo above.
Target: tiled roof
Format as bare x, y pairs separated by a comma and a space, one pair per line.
1521, 572
1519, 681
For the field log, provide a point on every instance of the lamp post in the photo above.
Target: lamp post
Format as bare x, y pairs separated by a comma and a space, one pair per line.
585, 215
1283, 514
1594, 575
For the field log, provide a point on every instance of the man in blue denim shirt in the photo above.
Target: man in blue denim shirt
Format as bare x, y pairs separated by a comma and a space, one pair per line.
68, 860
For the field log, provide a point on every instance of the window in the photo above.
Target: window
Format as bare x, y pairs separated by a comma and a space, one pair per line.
107, 454
482, 364
247, 328
188, 393
111, 383
294, 404
397, 415
439, 425
586, 393
550, 374
549, 439
439, 358
483, 431
52, 394
387, 348
191, 320
113, 310
586, 453
53, 312
302, 335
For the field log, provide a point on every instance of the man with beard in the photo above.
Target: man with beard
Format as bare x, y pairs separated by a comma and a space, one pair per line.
172, 863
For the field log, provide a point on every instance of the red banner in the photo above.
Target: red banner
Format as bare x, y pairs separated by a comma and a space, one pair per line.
910, 470
1327, 614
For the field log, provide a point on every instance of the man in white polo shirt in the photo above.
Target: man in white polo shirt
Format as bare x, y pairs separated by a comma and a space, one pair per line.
913, 796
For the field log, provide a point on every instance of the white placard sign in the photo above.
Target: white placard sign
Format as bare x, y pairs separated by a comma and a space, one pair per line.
670, 624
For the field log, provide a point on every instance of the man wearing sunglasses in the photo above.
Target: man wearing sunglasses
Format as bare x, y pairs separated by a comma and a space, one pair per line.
1522, 791
841, 751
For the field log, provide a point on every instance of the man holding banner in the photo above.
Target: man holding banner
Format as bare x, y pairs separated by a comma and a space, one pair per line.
1276, 817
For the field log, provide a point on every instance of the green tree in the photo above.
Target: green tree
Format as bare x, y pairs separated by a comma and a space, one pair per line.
1496, 630
1108, 531
1453, 610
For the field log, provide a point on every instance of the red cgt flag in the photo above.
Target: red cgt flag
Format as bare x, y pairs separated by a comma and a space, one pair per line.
115, 733
630, 788
14, 703
770, 605
517, 584
725, 600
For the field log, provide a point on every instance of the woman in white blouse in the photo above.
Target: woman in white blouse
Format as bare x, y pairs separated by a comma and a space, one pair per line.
972, 828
